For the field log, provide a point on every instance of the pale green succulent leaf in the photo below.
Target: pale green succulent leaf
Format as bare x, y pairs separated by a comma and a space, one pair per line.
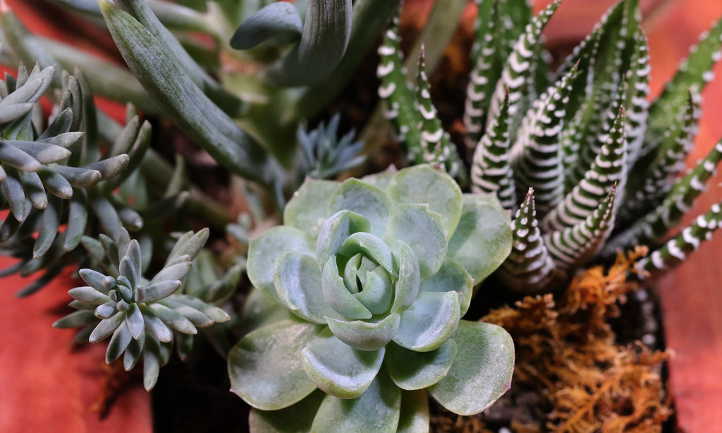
412, 370
338, 297
429, 321
294, 419
420, 229
423, 184
335, 230
377, 410
371, 246
414, 416
365, 335
309, 205
266, 368
298, 285
366, 200
338, 369
482, 240
452, 277
260, 309
408, 280
482, 369
265, 251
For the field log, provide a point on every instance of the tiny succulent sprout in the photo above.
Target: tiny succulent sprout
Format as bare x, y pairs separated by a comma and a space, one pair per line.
358, 300
143, 318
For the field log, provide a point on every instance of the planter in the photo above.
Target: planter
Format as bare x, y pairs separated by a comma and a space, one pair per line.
692, 302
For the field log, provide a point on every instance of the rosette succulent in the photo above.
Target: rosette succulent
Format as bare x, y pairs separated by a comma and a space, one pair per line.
357, 306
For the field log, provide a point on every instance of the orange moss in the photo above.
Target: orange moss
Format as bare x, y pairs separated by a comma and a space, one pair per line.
568, 358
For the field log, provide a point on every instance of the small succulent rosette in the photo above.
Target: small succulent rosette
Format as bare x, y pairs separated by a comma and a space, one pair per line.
357, 306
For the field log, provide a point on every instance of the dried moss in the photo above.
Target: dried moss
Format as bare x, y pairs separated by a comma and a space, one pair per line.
571, 376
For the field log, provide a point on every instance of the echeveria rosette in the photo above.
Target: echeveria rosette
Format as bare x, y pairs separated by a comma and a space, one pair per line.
357, 305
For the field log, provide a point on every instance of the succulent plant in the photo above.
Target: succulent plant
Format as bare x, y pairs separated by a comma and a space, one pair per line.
357, 303
324, 154
57, 174
602, 165
144, 318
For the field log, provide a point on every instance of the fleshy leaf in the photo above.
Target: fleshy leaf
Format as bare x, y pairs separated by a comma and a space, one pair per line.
377, 410
419, 370
266, 368
335, 230
414, 412
429, 321
293, 419
337, 295
339, 369
420, 229
309, 205
482, 240
278, 21
408, 281
482, 369
298, 285
423, 184
365, 335
452, 277
365, 200
265, 251
372, 246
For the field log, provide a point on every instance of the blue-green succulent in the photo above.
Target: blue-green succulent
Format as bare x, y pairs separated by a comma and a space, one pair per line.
358, 303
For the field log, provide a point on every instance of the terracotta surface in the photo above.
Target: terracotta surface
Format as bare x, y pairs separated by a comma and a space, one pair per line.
692, 295
45, 386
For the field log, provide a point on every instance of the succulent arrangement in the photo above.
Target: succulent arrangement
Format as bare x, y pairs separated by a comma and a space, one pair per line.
358, 288
587, 164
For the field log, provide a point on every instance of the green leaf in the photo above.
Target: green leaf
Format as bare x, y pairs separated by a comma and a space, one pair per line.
423, 184
408, 281
482, 240
335, 230
309, 205
429, 321
481, 372
337, 295
339, 369
293, 419
377, 411
419, 370
278, 21
326, 34
452, 277
365, 200
414, 412
371, 246
298, 285
265, 251
420, 229
171, 86
265, 367
365, 335
261, 309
